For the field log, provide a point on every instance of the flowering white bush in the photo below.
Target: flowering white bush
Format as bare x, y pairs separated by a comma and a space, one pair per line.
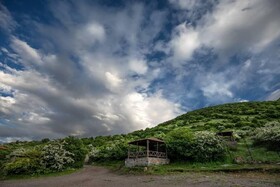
268, 136
55, 157
206, 146
93, 151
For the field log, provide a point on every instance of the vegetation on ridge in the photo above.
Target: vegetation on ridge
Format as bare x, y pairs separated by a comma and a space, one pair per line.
189, 137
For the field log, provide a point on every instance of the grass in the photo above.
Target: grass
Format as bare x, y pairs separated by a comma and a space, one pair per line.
253, 154
180, 167
34, 176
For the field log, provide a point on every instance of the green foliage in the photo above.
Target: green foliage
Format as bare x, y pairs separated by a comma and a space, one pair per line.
55, 157
178, 143
78, 150
4, 153
206, 146
23, 161
45, 140
22, 165
201, 146
114, 151
268, 136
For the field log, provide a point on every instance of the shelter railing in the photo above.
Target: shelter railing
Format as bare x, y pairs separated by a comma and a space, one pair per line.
141, 154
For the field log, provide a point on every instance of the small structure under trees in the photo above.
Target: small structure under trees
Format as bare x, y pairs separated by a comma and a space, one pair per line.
226, 134
146, 152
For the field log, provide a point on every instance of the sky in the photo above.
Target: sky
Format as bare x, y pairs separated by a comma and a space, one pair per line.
89, 68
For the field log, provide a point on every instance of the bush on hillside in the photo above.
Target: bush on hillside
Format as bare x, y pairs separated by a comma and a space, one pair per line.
268, 136
206, 146
55, 157
178, 144
22, 166
23, 161
201, 146
111, 151
78, 150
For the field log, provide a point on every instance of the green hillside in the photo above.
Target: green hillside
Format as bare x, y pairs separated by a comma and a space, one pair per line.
235, 116
190, 138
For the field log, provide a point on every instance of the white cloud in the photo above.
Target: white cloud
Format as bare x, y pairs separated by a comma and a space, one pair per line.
216, 87
6, 104
184, 4
149, 111
138, 66
96, 31
27, 53
228, 29
230, 26
184, 42
83, 82
114, 82
90, 34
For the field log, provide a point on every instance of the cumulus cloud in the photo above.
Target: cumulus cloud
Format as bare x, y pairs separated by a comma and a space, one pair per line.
90, 84
228, 29
184, 42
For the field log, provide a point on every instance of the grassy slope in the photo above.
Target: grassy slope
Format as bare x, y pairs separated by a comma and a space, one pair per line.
235, 116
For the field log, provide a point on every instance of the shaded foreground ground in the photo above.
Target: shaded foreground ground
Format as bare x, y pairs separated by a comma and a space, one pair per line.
99, 176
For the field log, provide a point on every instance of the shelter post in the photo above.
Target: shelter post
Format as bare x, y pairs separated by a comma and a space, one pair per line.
147, 148
157, 149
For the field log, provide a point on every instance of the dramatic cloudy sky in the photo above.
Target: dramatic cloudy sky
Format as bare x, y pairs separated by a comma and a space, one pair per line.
89, 68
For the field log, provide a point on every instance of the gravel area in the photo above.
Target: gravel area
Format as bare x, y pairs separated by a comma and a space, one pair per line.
92, 176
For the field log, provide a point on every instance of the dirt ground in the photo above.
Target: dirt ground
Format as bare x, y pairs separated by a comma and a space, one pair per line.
98, 176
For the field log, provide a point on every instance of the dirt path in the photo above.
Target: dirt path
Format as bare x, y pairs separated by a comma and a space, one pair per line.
92, 176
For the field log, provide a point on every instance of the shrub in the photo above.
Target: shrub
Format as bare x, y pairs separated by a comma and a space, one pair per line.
112, 151
24, 161
206, 146
78, 150
268, 136
243, 123
55, 157
93, 153
178, 144
45, 140
201, 146
22, 166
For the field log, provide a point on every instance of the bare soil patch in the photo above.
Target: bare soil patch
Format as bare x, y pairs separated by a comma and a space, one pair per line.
91, 176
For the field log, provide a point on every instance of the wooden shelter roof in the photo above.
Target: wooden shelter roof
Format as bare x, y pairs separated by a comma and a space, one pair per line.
143, 142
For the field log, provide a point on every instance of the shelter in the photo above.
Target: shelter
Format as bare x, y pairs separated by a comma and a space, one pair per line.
146, 152
226, 134
228, 137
